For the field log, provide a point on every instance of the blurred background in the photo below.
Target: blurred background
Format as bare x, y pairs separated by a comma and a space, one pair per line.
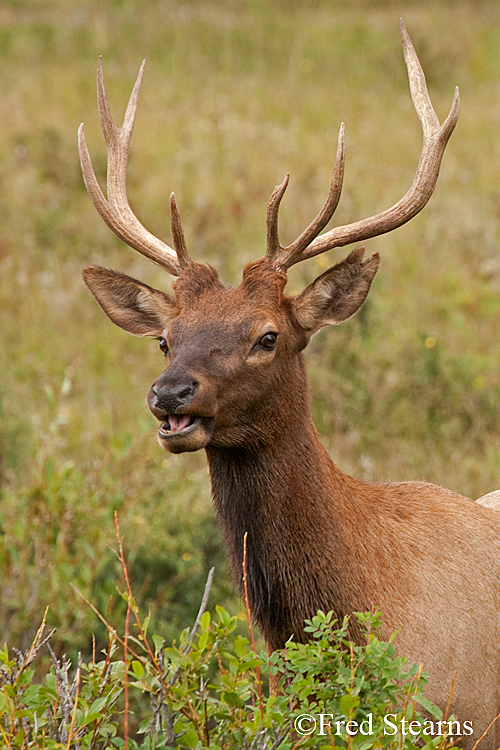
236, 93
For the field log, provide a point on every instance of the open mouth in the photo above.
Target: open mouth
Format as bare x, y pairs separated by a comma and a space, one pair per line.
178, 424
179, 433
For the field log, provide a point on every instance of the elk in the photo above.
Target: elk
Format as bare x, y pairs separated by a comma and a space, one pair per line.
235, 385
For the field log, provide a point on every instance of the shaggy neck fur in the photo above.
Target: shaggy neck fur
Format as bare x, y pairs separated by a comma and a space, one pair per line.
295, 505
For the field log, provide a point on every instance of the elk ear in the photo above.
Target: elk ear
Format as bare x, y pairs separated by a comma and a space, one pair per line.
134, 306
336, 294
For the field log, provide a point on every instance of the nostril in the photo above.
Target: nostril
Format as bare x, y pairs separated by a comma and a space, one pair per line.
156, 394
185, 390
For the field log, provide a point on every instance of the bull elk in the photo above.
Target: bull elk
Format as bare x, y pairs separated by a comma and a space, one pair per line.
235, 384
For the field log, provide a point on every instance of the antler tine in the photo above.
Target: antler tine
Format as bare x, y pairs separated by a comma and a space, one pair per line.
178, 234
435, 138
115, 210
273, 243
283, 257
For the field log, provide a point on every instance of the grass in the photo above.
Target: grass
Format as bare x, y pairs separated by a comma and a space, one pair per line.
235, 95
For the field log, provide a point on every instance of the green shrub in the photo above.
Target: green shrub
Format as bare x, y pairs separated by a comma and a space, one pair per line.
206, 692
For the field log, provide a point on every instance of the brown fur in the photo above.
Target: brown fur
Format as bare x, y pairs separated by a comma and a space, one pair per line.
317, 538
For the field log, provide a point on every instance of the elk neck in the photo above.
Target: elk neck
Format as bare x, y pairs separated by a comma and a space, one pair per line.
297, 509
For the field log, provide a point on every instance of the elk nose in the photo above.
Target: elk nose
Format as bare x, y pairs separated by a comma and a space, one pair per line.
169, 397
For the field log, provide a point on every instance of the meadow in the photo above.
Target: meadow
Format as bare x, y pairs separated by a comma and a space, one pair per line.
236, 93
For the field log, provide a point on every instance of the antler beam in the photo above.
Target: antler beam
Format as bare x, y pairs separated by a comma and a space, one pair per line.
115, 210
435, 138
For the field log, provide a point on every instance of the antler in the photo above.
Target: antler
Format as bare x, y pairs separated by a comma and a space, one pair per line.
435, 138
115, 210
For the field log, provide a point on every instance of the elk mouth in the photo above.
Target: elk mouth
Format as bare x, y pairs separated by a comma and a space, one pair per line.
185, 432
175, 424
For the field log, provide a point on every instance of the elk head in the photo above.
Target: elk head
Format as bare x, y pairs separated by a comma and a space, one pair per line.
228, 350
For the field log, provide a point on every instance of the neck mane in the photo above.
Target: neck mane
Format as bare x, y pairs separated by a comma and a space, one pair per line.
295, 506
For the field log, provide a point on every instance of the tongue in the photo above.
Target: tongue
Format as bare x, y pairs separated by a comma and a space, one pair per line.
178, 421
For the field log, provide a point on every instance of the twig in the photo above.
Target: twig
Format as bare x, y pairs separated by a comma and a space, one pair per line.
452, 688
35, 646
73, 718
414, 686
297, 744
103, 619
249, 618
63, 691
486, 731
125, 686
203, 607
130, 596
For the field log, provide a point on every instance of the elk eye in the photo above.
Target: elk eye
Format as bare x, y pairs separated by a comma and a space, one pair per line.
163, 345
268, 341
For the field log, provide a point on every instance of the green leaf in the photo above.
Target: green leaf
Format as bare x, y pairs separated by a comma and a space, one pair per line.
190, 738
429, 706
224, 616
347, 704
158, 643
203, 640
205, 620
233, 699
138, 669
240, 646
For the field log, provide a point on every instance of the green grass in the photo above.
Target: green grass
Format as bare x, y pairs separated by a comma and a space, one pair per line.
235, 95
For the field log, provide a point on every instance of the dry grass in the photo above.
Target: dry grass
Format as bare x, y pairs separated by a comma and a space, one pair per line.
235, 95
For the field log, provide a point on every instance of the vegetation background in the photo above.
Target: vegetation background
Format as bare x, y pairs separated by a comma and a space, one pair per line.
236, 93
